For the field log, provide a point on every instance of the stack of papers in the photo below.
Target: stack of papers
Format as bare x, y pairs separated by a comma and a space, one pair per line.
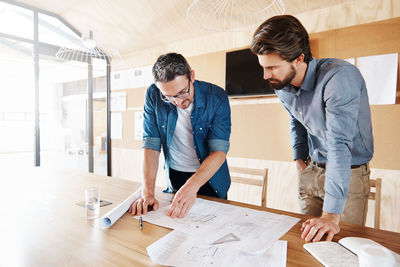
217, 234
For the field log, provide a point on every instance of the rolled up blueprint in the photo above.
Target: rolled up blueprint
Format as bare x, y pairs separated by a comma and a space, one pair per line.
113, 215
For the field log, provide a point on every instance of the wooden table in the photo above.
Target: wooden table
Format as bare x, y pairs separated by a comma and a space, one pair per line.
40, 225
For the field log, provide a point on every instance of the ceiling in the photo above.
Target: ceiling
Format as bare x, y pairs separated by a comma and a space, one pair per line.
134, 25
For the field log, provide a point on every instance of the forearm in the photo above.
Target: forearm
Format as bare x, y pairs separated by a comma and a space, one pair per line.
298, 139
207, 169
150, 168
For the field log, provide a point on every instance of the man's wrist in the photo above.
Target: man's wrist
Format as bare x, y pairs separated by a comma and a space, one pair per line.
193, 182
331, 216
147, 192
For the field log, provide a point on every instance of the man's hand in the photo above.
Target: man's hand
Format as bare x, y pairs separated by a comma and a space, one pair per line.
301, 165
141, 205
183, 201
314, 229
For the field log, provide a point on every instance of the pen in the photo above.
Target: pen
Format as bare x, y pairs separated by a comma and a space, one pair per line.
140, 222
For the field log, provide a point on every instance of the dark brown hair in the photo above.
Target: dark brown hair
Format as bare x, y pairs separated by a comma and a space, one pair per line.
170, 65
284, 35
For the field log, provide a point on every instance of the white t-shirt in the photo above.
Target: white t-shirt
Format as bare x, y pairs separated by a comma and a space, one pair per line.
183, 155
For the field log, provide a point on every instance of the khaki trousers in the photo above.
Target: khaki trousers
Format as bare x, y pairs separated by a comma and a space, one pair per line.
311, 193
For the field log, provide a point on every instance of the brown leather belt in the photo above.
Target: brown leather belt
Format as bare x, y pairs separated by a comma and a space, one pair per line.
323, 165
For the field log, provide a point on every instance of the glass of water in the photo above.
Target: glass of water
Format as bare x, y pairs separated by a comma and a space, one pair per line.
92, 203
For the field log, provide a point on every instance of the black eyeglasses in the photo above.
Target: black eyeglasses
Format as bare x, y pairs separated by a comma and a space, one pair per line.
181, 95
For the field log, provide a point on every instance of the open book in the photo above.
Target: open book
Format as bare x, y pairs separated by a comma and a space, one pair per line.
343, 253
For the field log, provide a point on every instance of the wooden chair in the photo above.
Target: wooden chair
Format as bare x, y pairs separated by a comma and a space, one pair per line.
376, 196
246, 177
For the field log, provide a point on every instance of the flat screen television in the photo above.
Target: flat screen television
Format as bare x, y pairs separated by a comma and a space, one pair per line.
244, 75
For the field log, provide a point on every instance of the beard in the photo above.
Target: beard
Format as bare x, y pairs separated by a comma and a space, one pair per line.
278, 85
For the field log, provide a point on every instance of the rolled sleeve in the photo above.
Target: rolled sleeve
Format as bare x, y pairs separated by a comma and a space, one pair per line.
220, 130
218, 145
151, 135
153, 143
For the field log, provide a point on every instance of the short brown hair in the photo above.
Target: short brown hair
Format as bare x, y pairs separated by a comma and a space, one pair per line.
284, 35
170, 65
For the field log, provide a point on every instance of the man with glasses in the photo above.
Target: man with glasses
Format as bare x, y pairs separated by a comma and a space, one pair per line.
330, 122
191, 121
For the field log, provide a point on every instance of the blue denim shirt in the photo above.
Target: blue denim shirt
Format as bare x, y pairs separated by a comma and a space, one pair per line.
330, 121
211, 124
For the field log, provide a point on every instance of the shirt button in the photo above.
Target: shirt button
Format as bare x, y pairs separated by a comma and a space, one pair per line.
300, 112
199, 159
201, 128
162, 126
192, 132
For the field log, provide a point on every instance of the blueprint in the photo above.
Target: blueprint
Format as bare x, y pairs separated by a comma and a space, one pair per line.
180, 249
225, 226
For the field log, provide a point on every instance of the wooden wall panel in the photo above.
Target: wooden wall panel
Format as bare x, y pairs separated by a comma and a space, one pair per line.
135, 97
128, 133
386, 130
210, 67
260, 131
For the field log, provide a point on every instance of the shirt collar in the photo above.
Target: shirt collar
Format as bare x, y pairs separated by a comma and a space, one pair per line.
309, 79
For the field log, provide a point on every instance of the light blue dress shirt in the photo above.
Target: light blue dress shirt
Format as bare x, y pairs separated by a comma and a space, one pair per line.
211, 125
330, 121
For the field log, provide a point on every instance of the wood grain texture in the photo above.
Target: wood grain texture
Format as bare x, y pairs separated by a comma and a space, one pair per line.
44, 227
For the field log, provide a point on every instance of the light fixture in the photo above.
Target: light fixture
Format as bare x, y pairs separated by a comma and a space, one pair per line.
90, 49
232, 15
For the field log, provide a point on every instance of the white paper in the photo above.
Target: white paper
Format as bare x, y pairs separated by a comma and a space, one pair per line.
116, 81
380, 74
226, 225
180, 249
138, 125
251, 231
113, 215
116, 125
118, 101
204, 215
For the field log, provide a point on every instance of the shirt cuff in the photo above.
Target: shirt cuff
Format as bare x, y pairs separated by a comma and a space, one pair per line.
333, 205
218, 145
153, 143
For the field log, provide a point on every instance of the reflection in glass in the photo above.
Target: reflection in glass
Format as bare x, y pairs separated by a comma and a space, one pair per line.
16, 21
17, 100
63, 109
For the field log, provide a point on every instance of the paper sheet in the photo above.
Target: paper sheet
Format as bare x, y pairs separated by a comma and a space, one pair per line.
226, 226
113, 215
251, 230
118, 101
116, 125
180, 249
380, 75
203, 215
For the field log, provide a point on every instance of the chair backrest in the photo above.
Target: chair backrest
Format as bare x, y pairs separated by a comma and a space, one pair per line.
246, 176
377, 184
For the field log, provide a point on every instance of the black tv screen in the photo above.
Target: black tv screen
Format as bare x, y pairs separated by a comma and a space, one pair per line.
244, 75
